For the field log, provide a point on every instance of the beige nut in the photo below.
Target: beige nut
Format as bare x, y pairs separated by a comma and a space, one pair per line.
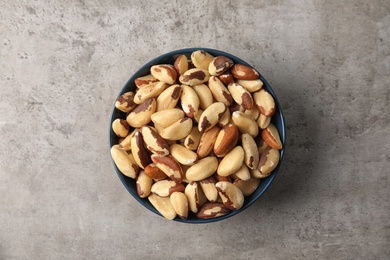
120, 127
163, 205
124, 161
247, 187
204, 95
251, 158
219, 65
149, 91
169, 166
231, 195
165, 188
192, 140
167, 117
207, 141
201, 59
141, 115
240, 71
154, 172
183, 155
243, 173
143, 184
153, 141
164, 72
261, 145
145, 80
189, 101
197, 117
251, 85
268, 161
168, 98
232, 162
178, 130
245, 124
209, 189
194, 77
210, 117
219, 91
195, 196
241, 95
180, 204
265, 102
181, 64
254, 113
212, 210
225, 119
126, 142
271, 136
202, 169
226, 78
141, 155
263, 121
227, 139
125, 102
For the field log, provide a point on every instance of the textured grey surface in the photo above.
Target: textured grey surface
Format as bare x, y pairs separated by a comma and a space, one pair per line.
63, 63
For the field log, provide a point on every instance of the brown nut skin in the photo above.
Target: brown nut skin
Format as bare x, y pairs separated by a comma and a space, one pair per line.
207, 141
169, 166
265, 102
219, 91
168, 98
232, 196
143, 184
154, 172
268, 161
240, 71
261, 145
195, 196
189, 101
251, 151
120, 127
124, 161
125, 102
164, 72
141, 155
153, 141
181, 64
271, 136
209, 189
212, 210
165, 188
226, 78
227, 139
163, 205
219, 65
201, 59
192, 140
210, 117
194, 77
141, 115
145, 80
152, 90
241, 96
247, 187
179, 202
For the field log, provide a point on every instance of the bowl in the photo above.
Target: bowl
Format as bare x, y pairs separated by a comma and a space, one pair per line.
169, 58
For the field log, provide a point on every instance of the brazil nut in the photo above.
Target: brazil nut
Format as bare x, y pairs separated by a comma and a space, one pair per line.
212, 210
163, 205
165, 73
232, 162
124, 161
125, 102
152, 90
120, 127
143, 184
241, 96
211, 116
153, 141
168, 98
169, 166
179, 202
202, 169
209, 189
251, 152
240, 71
194, 77
219, 65
227, 139
219, 91
189, 101
265, 102
232, 196
201, 59
165, 188
271, 136
141, 115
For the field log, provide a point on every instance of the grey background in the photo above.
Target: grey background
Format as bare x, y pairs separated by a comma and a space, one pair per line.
63, 63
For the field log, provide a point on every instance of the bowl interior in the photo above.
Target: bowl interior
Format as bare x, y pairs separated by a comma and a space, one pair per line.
169, 58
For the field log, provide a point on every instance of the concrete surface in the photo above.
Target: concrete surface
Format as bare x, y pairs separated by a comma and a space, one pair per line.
63, 63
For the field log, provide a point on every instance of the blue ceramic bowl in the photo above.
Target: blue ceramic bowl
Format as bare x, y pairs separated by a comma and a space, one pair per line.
169, 58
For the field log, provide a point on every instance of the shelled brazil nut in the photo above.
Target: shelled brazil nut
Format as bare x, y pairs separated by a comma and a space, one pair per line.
198, 135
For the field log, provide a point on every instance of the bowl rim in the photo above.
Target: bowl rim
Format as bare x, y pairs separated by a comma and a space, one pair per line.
213, 52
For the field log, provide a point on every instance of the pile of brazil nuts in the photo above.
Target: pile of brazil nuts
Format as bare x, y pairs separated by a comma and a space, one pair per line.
197, 136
